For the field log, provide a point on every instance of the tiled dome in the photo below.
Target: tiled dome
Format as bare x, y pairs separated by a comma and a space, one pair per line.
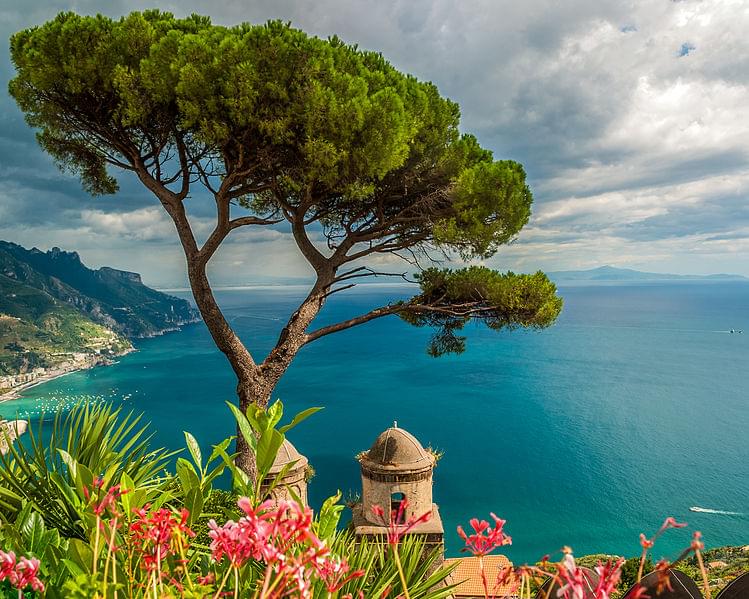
286, 455
395, 449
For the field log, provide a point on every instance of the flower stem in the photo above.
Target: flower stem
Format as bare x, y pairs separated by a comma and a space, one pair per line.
642, 564
483, 577
223, 582
96, 546
110, 555
266, 579
400, 571
704, 574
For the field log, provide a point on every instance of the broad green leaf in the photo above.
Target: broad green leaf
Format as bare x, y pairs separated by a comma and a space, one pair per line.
69, 462
33, 531
187, 476
275, 413
194, 448
267, 448
127, 486
329, 516
224, 445
80, 553
194, 504
300, 417
73, 567
244, 426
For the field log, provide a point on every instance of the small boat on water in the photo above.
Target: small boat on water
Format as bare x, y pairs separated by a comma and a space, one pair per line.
705, 510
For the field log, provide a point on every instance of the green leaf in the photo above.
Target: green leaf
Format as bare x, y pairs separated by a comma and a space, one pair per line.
217, 449
127, 486
73, 567
69, 462
300, 417
187, 476
244, 426
194, 448
194, 504
33, 531
274, 413
80, 554
267, 448
329, 516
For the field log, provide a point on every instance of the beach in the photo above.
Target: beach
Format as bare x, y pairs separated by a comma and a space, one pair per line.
61, 371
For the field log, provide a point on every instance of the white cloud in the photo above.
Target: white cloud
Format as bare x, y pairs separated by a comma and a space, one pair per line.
145, 224
636, 155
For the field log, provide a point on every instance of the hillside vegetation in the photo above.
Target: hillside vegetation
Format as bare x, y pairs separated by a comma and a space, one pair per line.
55, 312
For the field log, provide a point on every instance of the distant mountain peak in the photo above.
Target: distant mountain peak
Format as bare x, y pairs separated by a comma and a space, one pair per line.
125, 275
98, 294
615, 273
57, 254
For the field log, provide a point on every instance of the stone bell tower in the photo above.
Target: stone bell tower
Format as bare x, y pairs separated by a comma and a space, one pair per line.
294, 482
395, 468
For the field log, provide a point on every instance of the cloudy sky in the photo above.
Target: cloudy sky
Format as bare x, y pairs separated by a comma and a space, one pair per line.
631, 118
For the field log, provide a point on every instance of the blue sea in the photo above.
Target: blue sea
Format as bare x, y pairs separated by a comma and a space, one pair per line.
633, 407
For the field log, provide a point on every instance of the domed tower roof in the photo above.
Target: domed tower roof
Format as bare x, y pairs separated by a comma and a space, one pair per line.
286, 455
397, 449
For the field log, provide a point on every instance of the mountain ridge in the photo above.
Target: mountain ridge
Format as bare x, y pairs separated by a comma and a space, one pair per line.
613, 273
57, 315
107, 296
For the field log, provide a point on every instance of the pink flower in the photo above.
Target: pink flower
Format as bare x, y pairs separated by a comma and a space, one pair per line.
281, 536
663, 572
396, 530
7, 564
608, 578
333, 571
27, 574
484, 539
671, 522
21, 573
573, 577
233, 541
154, 535
697, 544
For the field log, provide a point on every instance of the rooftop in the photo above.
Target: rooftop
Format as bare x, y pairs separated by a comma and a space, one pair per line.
396, 449
286, 455
467, 575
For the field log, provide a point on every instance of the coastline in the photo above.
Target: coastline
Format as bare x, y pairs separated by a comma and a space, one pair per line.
15, 392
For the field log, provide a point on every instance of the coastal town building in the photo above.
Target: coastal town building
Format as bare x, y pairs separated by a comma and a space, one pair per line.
394, 469
65, 363
10, 430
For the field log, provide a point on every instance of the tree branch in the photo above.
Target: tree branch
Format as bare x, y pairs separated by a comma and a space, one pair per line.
352, 322
252, 220
458, 310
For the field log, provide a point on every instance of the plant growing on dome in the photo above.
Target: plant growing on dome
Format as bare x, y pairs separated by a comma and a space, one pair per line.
354, 161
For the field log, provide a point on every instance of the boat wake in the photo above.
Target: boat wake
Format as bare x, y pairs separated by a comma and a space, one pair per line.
705, 510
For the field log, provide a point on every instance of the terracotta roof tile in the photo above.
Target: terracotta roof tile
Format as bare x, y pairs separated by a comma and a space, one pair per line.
467, 576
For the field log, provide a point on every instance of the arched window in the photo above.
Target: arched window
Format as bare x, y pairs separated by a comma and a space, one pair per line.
397, 508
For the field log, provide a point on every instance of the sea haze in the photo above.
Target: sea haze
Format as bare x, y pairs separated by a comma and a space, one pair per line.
632, 408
